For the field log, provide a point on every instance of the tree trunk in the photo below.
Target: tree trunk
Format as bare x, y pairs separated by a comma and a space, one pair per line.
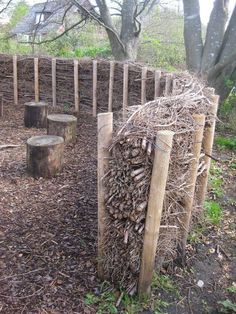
192, 35
216, 61
215, 34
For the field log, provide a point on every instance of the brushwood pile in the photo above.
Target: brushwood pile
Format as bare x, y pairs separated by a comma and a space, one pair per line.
128, 177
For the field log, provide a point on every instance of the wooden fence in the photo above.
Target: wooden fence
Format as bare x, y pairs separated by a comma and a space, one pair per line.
102, 86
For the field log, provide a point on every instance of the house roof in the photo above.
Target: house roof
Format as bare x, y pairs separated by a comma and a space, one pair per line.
57, 9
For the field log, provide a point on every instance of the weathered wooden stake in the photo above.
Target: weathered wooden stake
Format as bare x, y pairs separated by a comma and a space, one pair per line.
76, 84
1, 105
157, 84
95, 83
105, 129
189, 198
207, 145
125, 89
169, 78
15, 80
143, 85
111, 85
54, 82
36, 79
154, 211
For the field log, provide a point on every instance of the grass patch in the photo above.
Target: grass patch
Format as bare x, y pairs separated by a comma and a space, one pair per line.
213, 213
216, 180
224, 142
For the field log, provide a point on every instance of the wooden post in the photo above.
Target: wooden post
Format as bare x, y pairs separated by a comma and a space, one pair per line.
189, 198
15, 80
54, 82
105, 129
125, 89
95, 83
157, 84
143, 85
207, 145
76, 85
36, 79
111, 85
154, 211
1, 105
174, 86
168, 84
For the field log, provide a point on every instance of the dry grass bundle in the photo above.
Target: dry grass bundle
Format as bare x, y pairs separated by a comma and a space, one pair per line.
129, 176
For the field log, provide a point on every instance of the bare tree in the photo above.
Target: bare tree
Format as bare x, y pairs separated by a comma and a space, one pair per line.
123, 39
214, 59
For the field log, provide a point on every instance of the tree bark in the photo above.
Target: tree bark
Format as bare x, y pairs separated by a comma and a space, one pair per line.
193, 35
215, 34
44, 155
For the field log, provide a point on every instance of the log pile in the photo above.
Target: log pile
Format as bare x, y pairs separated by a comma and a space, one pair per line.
129, 174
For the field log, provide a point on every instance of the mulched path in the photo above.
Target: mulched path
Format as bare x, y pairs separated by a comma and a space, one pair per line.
48, 228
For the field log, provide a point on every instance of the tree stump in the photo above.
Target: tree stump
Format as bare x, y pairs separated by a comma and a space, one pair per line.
44, 155
63, 125
36, 114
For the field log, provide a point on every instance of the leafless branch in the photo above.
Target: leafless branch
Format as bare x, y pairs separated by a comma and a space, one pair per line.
98, 19
57, 37
6, 6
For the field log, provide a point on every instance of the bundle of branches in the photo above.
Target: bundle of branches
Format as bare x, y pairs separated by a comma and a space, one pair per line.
128, 178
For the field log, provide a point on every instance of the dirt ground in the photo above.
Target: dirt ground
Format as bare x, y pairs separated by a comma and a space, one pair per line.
48, 232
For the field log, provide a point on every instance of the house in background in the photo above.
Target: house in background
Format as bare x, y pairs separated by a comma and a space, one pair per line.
45, 18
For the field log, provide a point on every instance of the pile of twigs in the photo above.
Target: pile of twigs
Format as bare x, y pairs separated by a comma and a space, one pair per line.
129, 175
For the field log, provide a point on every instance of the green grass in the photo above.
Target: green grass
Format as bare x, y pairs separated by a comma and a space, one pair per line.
223, 142
213, 213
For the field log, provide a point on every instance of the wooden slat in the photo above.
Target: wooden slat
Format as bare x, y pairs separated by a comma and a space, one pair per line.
15, 80
95, 83
76, 85
190, 191
207, 144
105, 128
143, 85
111, 85
54, 82
1, 105
157, 91
125, 89
168, 84
154, 211
36, 79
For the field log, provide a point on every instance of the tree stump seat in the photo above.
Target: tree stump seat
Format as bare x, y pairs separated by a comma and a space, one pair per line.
36, 114
44, 155
63, 125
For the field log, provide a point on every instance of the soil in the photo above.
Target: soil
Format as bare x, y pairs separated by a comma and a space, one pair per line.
48, 234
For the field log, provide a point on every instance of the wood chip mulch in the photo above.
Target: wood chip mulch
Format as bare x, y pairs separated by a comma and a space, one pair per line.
48, 227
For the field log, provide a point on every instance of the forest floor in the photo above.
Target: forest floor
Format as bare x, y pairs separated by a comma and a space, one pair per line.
48, 235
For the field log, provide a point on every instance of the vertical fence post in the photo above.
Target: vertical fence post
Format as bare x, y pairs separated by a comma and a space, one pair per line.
189, 198
154, 211
157, 88
143, 85
125, 89
76, 85
105, 129
168, 84
95, 83
54, 82
15, 80
36, 79
1, 105
207, 145
111, 85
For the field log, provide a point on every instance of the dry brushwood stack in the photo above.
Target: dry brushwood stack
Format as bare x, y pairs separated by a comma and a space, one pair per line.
128, 177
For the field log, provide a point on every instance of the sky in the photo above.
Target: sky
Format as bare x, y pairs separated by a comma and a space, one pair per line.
206, 7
